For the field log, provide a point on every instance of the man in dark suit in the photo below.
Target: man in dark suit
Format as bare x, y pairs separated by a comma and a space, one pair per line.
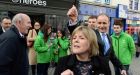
5, 24
104, 42
13, 47
1, 31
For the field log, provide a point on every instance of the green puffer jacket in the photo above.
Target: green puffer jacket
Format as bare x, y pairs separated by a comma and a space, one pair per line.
124, 47
61, 47
43, 50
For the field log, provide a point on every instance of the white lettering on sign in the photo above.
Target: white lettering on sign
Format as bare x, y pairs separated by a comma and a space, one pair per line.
34, 2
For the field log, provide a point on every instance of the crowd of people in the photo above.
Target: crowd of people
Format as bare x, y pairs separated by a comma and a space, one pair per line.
91, 47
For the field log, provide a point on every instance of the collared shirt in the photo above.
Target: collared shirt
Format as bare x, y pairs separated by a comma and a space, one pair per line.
106, 39
105, 36
72, 23
21, 35
3, 29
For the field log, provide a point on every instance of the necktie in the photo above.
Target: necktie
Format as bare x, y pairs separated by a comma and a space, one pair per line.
106, 45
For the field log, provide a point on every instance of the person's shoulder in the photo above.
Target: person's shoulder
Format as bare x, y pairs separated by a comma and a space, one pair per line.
126, 35
8, 34
69, 59
99, 57
100, 60
66, 57
96, 32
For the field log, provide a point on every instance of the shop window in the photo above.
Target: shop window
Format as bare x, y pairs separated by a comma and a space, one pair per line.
136, 4
56, 21
131, 4
2, 14
107, 1
99, 1
133, 30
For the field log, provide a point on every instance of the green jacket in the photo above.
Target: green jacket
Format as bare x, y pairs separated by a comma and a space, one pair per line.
124, 47
43, 50
61, 49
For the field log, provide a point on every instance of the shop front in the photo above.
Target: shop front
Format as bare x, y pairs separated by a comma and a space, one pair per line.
86, 10
43, 11
133, 24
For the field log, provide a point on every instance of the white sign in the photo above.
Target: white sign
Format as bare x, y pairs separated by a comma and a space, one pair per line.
122, 11
34, 2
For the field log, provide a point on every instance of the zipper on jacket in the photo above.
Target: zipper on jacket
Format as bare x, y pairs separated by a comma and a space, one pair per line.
117, 44
118, 49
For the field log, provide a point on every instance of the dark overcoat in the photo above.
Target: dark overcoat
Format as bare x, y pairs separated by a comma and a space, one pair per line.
13, 53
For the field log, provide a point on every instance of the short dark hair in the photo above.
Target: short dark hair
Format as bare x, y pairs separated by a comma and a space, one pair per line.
5, 17
44, 30
92, 17
118, 22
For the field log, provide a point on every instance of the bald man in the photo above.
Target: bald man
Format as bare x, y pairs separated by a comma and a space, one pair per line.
13, 54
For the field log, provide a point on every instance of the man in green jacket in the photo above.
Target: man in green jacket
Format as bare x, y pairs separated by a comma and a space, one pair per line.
123, 45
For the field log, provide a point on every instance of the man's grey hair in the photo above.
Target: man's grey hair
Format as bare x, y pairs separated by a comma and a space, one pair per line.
16, 18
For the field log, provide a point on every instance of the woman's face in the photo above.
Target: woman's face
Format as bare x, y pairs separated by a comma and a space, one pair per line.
37, 25
80, 44
59, 34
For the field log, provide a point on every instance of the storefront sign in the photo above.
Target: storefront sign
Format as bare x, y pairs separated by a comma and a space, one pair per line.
133, 16
96, 10
27, 2
122, 11
97, 1
34, 2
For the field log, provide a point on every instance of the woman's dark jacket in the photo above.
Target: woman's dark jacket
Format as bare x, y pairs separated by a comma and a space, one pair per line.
68, 62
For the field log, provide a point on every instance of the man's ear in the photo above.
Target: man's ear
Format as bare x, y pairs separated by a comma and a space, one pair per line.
122, 27
18, 22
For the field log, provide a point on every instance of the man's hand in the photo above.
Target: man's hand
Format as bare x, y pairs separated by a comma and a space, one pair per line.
123, 72
73, 13
67, 72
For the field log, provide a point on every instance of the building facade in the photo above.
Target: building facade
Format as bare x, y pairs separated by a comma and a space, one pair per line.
125, 10
95, 7
44, 11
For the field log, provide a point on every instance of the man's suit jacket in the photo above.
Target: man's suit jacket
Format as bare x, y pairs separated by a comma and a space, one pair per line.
1, 31
13, 53
110, 55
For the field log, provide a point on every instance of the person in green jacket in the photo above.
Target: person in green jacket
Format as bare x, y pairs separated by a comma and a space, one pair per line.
43, 47
123, 45
62, 45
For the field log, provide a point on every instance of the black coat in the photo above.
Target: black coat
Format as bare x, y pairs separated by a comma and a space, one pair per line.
13, 53
68, 62
110, 55
1, 31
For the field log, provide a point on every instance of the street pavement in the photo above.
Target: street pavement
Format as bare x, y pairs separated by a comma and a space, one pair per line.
134, 67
